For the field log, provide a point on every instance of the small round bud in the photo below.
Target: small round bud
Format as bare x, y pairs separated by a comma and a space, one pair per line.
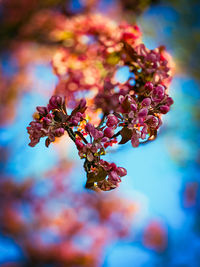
79, 144
59, 132
109, 132
169, 101
112, 120
143, 113
146, 102
121, 171
149, 86
164, 109
42, 110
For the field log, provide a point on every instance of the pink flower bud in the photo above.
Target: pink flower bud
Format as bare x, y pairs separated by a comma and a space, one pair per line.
152, 57
89, 127
121, 171
79, 115
146, 102
158, 93
164, 109
113, 166
169, 101
46, 120
149, 86
133, 107
112, 120
42, 110
79, 144
104, 139
131, 114
143, 113
152, 121
97, 134
59, 132
55, 102
113, 176
109, 132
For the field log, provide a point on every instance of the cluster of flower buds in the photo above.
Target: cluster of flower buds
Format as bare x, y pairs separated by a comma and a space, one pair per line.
113, 175
94, 53
141, 115
53, 120
44, 123
100, 173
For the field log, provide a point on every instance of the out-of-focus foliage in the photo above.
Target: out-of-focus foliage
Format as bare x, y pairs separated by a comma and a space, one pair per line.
180, 28
56, 225
186, 34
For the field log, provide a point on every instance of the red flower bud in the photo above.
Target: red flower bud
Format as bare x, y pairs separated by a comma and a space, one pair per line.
164, 109
79, 144
109, 132
146, 102
112, 120
143, 113
42, 110
149, 86
121, 171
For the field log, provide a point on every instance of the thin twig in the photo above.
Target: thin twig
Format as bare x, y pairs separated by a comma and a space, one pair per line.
82, 137
102, 120
70, 133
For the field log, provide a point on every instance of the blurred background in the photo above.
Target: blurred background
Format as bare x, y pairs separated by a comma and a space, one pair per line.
47, 217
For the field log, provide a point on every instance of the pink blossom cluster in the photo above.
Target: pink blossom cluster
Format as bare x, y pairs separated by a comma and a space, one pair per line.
93, 53
52, 121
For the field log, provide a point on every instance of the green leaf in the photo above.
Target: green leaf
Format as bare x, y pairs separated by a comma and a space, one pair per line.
96, 177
